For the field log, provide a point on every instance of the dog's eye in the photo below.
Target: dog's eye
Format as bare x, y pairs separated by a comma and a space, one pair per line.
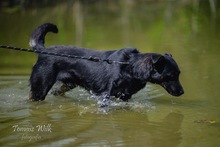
172, 76
169, 77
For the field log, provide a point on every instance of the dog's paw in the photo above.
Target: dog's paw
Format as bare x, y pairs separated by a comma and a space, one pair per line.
104, 103
57, 93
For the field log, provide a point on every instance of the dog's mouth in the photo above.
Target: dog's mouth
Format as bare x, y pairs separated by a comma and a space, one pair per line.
173, 87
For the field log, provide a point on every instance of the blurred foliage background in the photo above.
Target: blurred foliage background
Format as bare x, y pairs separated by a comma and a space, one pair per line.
182, 27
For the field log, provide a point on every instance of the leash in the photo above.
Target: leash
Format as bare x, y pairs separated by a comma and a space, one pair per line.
90, 58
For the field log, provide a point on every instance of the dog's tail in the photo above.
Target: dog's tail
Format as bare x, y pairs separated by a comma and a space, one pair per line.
38, 35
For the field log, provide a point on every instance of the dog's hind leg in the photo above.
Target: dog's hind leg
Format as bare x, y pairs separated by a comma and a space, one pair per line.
38, 92
40, 83
68, 82
62, 89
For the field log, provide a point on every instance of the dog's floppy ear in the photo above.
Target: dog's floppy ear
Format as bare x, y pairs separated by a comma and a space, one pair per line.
168, 54
129, 52
158, 62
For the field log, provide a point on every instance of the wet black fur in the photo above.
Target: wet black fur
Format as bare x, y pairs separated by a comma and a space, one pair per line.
117, 80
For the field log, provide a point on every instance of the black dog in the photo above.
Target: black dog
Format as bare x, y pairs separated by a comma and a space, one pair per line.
117, 79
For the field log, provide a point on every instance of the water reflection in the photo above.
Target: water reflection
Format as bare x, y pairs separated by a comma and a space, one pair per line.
119, 128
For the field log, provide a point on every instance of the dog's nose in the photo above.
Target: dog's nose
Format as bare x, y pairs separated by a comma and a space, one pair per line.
181, 92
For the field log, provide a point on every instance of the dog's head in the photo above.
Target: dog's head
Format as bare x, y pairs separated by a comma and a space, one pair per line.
166, 73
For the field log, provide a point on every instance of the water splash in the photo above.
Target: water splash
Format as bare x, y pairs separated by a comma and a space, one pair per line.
14, 93
90, 103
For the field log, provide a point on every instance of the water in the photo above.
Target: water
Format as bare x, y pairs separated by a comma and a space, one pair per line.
152, 117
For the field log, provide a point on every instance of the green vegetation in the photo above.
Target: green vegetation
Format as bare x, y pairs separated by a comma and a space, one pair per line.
180, 27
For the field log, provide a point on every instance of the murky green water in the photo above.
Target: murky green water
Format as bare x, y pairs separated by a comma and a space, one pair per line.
188, 30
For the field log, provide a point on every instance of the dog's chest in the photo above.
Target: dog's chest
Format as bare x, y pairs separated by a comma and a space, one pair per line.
128, 86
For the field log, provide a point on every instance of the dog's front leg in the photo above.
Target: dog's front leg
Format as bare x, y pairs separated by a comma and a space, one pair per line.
123, 96
105, 99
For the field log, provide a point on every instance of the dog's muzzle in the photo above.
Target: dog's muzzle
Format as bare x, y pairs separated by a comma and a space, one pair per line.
173, 87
